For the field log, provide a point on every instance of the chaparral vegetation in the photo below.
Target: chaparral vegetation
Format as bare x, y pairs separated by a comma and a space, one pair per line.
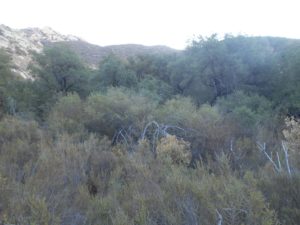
208, 135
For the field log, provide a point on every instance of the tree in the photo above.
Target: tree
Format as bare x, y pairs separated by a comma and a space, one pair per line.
248, 111
155, 89
6, 76
114, 73
5, 68
109, 112
60, 70
286, 92
151, 65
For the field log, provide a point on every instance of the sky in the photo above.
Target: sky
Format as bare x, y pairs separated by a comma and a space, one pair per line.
154, 22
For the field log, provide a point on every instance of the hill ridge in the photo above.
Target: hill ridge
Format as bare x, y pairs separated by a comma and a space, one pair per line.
20, 43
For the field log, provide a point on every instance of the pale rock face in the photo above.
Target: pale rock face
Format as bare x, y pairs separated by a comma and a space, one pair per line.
19, 43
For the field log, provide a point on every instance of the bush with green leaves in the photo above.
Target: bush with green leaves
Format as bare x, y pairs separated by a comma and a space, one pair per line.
113, 72
248, 111
19, 147
282, 193
116, 109
68, 115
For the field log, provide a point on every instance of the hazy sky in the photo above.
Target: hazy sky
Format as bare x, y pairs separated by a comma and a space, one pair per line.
153, 22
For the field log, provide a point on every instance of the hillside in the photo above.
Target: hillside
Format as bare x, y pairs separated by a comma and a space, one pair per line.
211, 133
93, 54
21, 43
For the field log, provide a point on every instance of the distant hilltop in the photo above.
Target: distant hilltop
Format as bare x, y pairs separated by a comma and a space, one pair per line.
21, 43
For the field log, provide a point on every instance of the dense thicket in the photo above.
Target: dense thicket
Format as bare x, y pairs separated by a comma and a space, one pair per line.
209, 135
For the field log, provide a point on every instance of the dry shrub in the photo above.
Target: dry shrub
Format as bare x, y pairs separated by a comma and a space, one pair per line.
175, 149
67, 115
292, 136
19, 147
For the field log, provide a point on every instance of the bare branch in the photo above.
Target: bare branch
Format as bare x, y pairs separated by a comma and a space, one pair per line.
278, 160
146, 128
124, 138
262, 148
176, 127
220, 218
231, 145
286, 155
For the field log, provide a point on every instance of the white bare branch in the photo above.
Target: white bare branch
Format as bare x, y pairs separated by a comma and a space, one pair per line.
286, 155
220, 218
147, 126
278, 160
262, 148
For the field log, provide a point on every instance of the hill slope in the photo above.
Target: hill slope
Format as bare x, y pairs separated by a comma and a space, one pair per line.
21, 43
93, 54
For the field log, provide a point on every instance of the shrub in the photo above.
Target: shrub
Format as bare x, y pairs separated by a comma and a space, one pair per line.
282, 193
176, 150
19, 147
68, 115
107, 113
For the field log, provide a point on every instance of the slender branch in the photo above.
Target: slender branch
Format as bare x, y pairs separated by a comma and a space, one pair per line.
262, 148
278, 160
114, 138
176, 127
285, 149
220, 218
231, 145
124, 138
146, 128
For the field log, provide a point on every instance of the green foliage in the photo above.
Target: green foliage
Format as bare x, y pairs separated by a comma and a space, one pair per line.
60, 70
179, 111
19, 148
286, 84
282, 193
117, 109
5, 66
155, 89
209, 70
156, 66
67, 115
203, 127
6, 76
134, 141
22, 98
113, 73
248, 111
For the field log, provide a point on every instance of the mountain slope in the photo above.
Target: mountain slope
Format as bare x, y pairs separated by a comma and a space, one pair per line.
21, 43
93, 54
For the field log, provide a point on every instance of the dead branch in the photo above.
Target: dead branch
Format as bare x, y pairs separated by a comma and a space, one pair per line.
146, 128
286, 155
220, 218
262, 148
277, 166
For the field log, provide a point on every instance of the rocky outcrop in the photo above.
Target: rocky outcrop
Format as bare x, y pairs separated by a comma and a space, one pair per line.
20, 43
